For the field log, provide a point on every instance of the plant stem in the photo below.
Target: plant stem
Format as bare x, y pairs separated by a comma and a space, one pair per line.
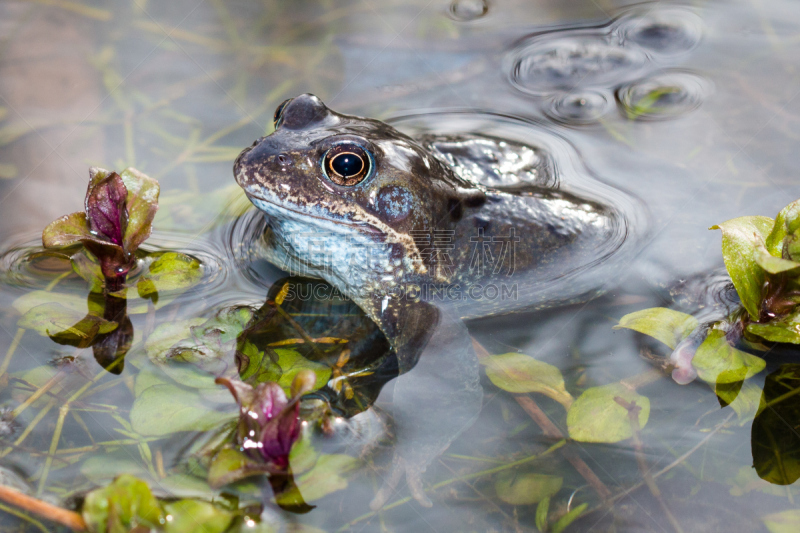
11, 349
70, 519
62, 414
530, 406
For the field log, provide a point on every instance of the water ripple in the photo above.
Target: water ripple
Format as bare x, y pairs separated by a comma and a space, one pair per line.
579, 107
666, 31
663, 95
466, 10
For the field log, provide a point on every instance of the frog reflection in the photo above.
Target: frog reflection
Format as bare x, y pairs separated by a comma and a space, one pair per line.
414, 231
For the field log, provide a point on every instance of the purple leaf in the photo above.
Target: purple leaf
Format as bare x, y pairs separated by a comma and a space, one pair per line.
106, 209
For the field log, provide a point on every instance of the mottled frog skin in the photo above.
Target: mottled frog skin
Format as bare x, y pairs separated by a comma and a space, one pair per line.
409, 229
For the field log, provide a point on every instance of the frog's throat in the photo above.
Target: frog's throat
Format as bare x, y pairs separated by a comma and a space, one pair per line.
413, 257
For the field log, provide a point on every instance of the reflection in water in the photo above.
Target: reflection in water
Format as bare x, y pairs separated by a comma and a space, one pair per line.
775, 437
663, 95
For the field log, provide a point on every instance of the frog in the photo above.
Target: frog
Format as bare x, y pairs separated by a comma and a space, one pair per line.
423, 233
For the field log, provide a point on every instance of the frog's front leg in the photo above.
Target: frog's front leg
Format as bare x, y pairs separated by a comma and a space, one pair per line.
432, 404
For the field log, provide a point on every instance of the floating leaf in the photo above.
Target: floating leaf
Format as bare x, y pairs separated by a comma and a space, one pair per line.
172, 271
740, 237
569, 518
142, 204
122, 506
716, 361
775, 442
186, 412
66, 231
197, 516
231, 465
665, 325
784, 522
597, 417
528, 488
520, 373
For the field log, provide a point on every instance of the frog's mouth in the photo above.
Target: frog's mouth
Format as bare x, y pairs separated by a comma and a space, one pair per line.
268, 206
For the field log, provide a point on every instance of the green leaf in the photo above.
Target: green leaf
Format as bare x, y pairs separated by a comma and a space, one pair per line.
740, 237
772, 264
569, 518
121, 506
597, 417
716, 361
67, 230
197, 516
142, 204
517, 488
166, 409
227, 466
89, 269
520, 373
64, 324
292, 362
171, 272
167, 335
786, 329
745, 404
327, 476
784, 522
541, 514
665, 325
789, 216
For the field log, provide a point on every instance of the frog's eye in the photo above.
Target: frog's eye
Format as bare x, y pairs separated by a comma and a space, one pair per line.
347, 164
276, 118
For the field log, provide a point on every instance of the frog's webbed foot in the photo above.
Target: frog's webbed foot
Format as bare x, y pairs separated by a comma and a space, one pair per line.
431, 406
413, 475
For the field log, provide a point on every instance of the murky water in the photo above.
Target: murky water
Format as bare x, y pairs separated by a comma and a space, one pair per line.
692, 108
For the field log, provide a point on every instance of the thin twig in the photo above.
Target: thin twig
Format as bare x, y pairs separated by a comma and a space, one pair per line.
633, 417
530, 406
70, 519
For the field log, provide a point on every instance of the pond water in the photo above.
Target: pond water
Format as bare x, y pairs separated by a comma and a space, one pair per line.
690, 108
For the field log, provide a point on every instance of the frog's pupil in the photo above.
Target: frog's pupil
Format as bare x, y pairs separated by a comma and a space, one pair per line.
347, 164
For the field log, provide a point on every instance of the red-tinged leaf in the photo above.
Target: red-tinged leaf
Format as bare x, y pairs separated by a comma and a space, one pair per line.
105, 208
142, 203
67, 230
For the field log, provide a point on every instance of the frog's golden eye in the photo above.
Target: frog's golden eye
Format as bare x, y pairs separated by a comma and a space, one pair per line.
276, 118
347, 164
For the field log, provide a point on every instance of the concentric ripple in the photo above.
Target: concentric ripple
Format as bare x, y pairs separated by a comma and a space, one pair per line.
565, 63
667, 31
664, 95
466, 10
579, 108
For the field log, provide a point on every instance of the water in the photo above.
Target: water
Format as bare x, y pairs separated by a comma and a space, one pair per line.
690, 107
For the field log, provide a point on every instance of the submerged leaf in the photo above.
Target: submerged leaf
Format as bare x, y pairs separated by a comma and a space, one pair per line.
142, 204
65, 325
716, 361
197, 516
327, 476
596, 416
121, 506
520, 373
563, 522
784, 522
292, 362
186, 412
740, 237
666, 325
528, 488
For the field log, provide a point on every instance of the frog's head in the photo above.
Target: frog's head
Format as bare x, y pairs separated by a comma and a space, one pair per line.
333, 172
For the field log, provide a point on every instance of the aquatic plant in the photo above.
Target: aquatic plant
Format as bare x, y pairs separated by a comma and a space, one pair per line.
762, 257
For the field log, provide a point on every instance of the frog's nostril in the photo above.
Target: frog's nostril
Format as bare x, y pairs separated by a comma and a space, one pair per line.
283, 160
